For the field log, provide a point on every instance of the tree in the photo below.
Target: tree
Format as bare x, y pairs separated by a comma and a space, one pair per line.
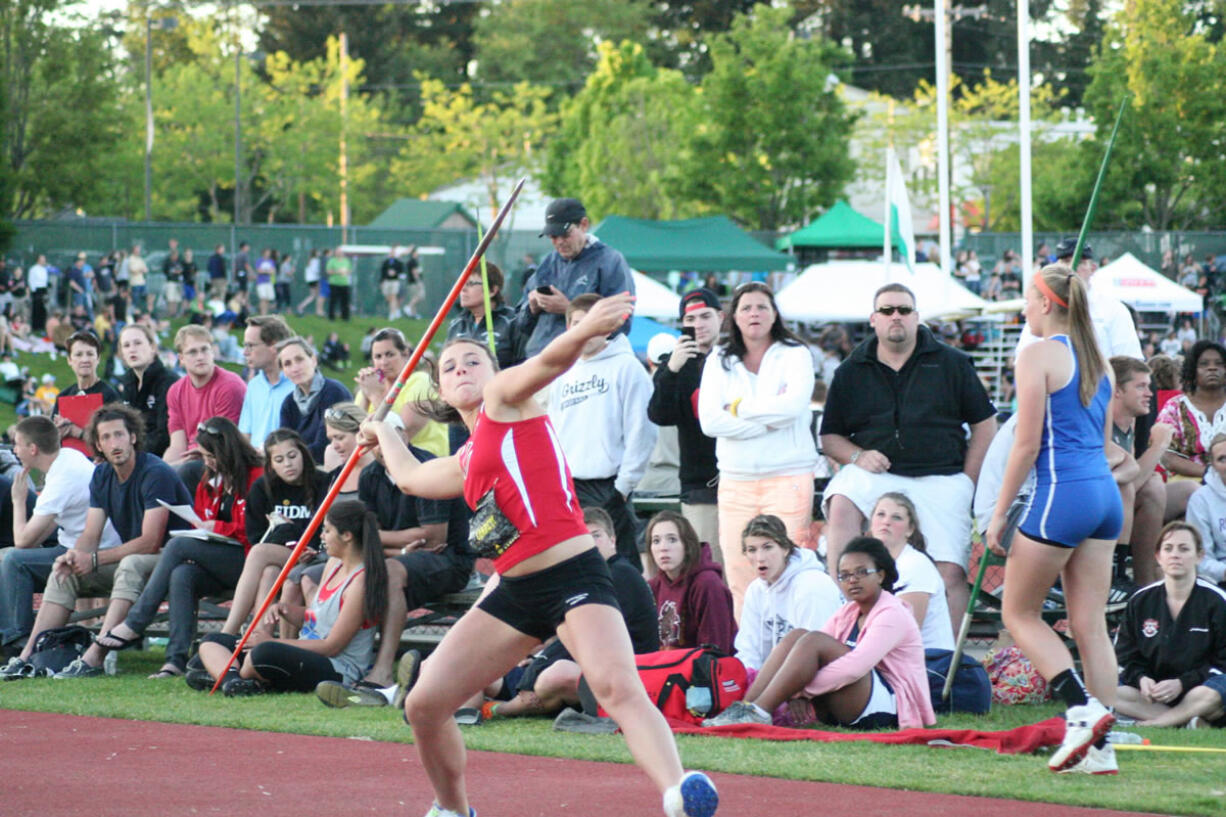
1168, 169
624, 141
552, 43
771, 143
684, 28
62, 108
983, 143
459, 136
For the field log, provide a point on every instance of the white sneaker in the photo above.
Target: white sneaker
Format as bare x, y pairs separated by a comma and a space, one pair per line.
740, 712
438, 811
694, 796
1082, 726
1096, 761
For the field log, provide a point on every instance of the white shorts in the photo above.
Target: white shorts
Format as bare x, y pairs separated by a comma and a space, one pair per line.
173, 292
390, 288
942, 502
881, 700
265, 292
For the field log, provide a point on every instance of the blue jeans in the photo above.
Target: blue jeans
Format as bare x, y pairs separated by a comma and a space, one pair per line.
188, 570
24, 572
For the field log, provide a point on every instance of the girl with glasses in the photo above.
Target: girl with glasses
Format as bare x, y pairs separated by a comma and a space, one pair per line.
863, 670
471, 321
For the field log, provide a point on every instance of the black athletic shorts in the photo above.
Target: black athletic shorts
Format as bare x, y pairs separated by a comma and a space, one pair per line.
537, 603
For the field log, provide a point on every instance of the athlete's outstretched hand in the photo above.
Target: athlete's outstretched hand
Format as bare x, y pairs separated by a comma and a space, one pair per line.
607, 315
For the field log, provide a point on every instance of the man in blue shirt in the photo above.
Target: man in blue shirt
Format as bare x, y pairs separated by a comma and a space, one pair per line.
125, 489
267, 388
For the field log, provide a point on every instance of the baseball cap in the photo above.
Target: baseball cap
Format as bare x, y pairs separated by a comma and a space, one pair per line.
700, 298
48, 378
560, 215
1067, 246
660, 345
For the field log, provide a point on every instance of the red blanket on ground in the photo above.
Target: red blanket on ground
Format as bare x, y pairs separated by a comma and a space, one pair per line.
1022, 740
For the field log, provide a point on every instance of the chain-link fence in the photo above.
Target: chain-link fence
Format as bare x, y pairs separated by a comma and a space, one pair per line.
442, 252
1149, 247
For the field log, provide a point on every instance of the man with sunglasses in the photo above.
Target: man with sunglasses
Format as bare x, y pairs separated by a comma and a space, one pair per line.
579, 263
895, 420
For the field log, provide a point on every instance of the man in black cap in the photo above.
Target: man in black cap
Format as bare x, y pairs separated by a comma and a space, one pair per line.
1113, 326
579, 263
674, 402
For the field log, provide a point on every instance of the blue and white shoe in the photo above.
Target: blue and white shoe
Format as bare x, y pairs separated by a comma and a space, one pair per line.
438, 811
694, 796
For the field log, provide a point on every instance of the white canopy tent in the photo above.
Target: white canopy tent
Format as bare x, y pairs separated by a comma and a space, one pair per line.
653, 299
842, 291
1144, 288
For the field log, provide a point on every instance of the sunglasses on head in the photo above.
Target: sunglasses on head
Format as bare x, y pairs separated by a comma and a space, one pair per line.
890, 310
208, 429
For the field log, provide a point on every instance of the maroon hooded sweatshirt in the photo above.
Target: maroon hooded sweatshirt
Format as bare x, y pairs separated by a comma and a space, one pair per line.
696, 609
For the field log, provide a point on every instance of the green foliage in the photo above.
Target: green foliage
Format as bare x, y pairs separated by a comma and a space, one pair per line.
552, 42
623, 145
771, 145
1167, 171
63, 108
461, 136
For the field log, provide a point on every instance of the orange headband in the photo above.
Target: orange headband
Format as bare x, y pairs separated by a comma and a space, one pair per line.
1048, 291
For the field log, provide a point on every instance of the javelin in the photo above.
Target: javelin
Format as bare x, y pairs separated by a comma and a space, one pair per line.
1148, 747
1098, 185
378, 415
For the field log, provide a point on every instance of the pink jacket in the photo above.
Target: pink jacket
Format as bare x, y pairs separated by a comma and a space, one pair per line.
890, 642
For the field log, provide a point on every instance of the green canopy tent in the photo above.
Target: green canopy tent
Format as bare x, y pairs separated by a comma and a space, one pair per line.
712, 244
425, 214
840, 227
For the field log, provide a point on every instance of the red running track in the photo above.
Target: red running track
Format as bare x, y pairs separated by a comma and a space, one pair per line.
65, 766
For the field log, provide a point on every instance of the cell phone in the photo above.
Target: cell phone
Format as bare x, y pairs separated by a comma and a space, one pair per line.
545, 290
688, 331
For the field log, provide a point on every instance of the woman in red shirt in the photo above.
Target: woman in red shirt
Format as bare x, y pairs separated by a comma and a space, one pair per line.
198, 562
550, 578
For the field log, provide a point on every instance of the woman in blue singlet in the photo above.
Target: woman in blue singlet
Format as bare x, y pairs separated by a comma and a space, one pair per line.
1064, 390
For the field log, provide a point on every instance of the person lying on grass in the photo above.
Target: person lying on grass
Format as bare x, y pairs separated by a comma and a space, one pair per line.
1172, 643
338, 627
863, 670
548, 680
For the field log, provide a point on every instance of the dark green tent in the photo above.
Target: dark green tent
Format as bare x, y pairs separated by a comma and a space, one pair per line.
424, 214
840, 227
711, 244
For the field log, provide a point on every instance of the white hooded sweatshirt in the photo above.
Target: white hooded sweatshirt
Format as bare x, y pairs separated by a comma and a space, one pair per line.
804, 597
1207, 511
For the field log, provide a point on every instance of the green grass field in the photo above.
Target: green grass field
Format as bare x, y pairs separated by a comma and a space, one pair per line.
1165, 782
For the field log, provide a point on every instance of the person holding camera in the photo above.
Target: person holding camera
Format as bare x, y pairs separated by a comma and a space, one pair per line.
674, 403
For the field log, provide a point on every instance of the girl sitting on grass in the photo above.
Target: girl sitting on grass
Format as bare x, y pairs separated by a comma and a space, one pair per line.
864, 670
337, 627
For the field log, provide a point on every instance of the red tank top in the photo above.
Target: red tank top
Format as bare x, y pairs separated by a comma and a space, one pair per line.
523, 464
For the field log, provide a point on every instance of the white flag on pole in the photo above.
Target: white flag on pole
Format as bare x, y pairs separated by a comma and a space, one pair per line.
898, 211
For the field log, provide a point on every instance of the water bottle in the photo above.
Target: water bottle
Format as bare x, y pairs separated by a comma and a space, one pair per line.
698, 701
110, 664
1123, 738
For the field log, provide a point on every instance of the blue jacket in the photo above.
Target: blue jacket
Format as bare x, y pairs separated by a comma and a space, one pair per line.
597, 268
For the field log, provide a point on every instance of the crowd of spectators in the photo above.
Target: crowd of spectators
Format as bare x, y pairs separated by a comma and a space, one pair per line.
164, 476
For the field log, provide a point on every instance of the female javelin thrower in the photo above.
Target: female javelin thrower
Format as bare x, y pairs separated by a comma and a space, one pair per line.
550, 576
1064, 393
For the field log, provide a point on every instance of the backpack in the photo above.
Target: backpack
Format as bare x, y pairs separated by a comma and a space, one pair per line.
971, 691
58, 647
687, 684
1014, 679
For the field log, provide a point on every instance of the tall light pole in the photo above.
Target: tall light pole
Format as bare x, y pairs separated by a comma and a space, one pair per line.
163, 24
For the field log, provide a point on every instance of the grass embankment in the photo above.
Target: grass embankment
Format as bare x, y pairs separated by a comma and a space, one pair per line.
1166, 782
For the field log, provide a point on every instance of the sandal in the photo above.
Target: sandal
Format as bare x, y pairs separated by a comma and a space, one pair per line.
167, 672
124, 643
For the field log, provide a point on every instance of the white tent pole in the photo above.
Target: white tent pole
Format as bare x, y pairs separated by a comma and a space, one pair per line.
942, 67
1023, 110
888, 251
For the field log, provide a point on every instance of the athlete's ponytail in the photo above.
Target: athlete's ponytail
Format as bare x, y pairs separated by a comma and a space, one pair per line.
1072, 291
351, 516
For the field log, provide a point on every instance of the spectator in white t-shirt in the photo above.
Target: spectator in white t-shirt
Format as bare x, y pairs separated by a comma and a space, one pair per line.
64, 502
